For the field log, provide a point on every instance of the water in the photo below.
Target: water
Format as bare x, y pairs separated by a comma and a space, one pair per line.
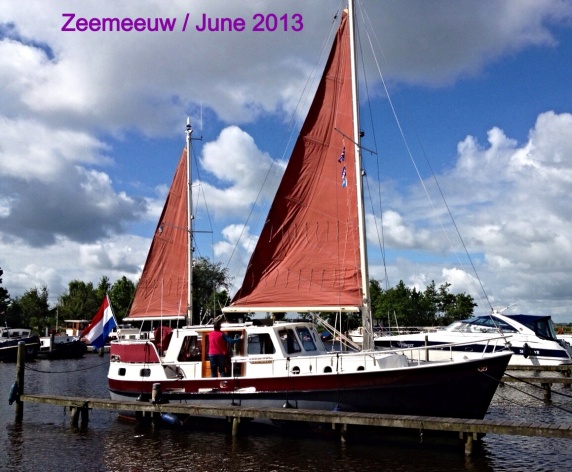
45, 442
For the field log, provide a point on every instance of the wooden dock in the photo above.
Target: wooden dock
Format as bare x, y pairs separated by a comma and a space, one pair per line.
468, 430
545, 381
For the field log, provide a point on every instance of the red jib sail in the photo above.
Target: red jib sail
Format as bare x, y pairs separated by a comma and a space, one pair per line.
308, 251
162, 289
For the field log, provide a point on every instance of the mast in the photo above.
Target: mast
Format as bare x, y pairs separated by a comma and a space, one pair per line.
366, 305
189, 132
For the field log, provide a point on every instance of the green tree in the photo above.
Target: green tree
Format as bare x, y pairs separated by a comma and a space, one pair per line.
210, 288
121, 295
34, 309
454, 307
103, 287
80, 302
409, 307
4, 300
397, 305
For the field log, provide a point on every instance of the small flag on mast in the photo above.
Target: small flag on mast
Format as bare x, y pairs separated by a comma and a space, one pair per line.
101, 325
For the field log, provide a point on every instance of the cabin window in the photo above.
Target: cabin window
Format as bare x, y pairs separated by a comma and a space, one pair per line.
236, 348
145, 373
289, 341
190, 350
121, 371
485, 324
306, 337
260, 344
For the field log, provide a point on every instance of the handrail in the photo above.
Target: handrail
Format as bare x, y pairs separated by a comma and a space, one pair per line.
373, 354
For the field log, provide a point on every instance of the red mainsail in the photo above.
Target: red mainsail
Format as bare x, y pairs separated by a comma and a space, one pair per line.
162, 289
307, 255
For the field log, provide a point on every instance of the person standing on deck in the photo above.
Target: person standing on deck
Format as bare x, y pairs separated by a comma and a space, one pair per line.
218, 347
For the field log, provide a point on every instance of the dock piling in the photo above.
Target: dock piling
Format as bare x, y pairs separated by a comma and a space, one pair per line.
468, 440
344, 433
20, 366
77, 413
235, 425
547, 392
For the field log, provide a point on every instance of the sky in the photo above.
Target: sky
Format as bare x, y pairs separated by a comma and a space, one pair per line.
473, 96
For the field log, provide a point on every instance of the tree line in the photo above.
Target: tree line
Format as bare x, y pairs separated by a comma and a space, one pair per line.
399, 305
81, 300
404, 306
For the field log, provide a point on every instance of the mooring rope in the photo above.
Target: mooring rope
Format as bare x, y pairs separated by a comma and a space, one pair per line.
64, 371
529, 394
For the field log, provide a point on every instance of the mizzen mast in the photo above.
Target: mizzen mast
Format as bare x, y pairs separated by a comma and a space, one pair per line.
189, 132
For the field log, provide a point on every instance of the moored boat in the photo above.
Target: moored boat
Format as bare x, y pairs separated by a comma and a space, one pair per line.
10, 339
531, 338
287, 365
61, 346
310, 258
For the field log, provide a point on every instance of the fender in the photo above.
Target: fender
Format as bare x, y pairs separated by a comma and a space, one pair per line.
14, 394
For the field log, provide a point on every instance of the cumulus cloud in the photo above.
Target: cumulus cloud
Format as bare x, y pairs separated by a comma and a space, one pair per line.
239, 168
435, 43
67, 97
83, 208
95, 80
236, 247
511, 205
26, 267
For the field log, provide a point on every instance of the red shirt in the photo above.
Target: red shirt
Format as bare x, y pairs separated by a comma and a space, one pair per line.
217, 343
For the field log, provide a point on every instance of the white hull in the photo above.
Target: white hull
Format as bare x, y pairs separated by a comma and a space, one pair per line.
530, 348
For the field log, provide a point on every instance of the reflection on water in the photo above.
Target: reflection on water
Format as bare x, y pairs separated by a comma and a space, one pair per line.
45, 442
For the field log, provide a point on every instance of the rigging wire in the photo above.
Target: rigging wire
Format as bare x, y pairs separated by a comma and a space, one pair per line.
380, 233
201, 194
410, 154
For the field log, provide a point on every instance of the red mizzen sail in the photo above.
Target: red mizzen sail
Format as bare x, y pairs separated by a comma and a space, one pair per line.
162, 289
308, 251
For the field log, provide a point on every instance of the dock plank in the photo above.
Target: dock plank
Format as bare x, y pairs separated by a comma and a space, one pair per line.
521, 428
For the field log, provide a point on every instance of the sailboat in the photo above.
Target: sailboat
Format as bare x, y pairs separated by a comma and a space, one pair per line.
310, 258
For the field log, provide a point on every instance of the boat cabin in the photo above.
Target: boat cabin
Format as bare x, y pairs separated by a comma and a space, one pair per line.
183, 354
75, 327
7, 333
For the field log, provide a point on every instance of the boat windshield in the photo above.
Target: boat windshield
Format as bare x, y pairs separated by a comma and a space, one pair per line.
542, 327
300, 338
289, 341
481, 324
306, 337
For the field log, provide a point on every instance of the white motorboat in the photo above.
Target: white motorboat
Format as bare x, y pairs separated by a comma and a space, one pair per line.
531, 338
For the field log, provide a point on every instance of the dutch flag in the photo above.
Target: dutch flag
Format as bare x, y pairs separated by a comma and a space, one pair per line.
102, 324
